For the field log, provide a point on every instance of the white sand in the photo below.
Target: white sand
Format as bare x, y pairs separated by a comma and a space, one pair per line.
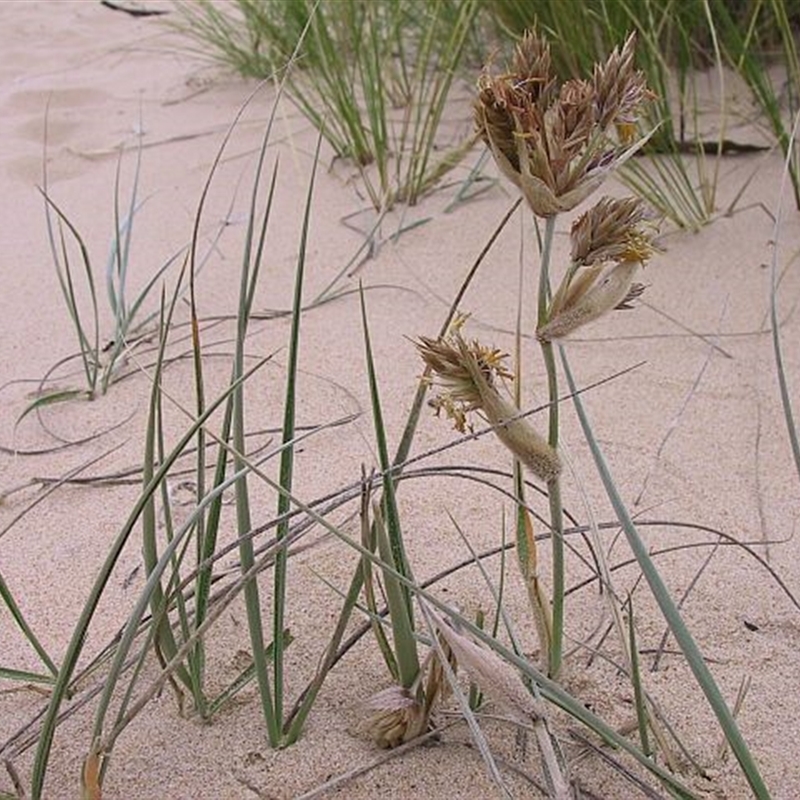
694, 436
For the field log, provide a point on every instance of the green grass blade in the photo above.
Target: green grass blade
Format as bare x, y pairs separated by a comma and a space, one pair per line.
205, 542
164, 639
368, 540
117, 266
24, 676
89, 343
405, 644
389, 500
780, 370
668, 608
19, 618
234, 420
391, 545
51, 398
286, 471
244, 526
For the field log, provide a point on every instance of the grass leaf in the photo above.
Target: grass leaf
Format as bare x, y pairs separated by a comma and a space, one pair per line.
668, 608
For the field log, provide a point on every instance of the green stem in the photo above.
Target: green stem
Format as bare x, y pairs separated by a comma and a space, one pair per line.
554, 485
557, 538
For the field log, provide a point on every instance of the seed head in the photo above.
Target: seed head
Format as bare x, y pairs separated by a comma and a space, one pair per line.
399, 717
611, 231
557, 144
609, 243
468, 373
620, 90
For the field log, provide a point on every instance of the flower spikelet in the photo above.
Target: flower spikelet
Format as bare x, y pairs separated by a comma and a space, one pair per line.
609, 243
611, 231
467, 373
620, 90
532, 67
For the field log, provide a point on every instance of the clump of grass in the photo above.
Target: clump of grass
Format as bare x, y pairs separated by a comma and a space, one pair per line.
373, 78
103, 360
391, 55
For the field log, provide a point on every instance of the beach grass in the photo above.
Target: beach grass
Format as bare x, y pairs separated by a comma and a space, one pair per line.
424, 641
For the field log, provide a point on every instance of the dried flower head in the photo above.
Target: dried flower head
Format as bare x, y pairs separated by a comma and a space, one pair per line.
611, 230
609, 243
468, 373
398, 717
557, 144
401, 714
620, 90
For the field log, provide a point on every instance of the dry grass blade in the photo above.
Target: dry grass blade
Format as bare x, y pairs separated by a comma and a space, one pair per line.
90, 777
502, 682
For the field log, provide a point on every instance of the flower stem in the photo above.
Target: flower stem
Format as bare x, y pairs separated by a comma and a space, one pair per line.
553, 485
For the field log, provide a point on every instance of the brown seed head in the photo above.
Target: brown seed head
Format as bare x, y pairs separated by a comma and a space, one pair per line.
557, 144
620, 90
609, 243
574, 119
467, 373
611, 231
531, 69
495, 122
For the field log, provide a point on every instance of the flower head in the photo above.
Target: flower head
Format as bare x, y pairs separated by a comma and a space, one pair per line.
401, 714
609, 243
465, 371
557, 144
468, 374
398, 717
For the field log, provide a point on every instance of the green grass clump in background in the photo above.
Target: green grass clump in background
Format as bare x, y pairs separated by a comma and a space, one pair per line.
374, 76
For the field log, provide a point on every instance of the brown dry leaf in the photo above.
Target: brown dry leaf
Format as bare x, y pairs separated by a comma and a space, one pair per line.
495, 677
90, 778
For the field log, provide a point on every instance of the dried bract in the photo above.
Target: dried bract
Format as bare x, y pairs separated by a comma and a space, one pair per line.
399, 717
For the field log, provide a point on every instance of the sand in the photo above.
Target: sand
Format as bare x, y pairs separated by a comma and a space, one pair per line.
694, 436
